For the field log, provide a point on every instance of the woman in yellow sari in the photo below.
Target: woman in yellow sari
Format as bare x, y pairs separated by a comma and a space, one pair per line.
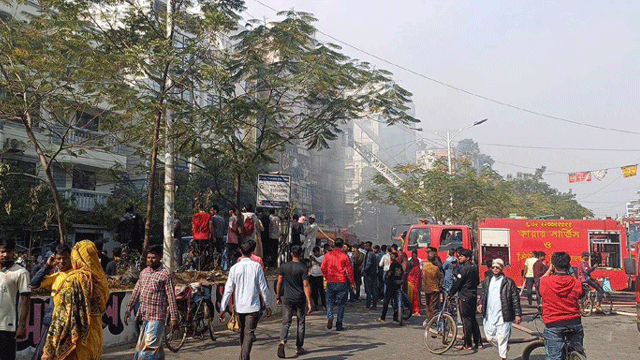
76, 328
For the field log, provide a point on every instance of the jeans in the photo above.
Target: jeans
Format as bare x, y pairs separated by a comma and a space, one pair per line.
317, 290
230, 257
554, 339
371, 288
337, 295
248, 323
300, 311
394, 294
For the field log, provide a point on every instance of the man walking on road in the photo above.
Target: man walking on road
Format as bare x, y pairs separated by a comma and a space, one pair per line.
393, 291
247, 279
370, 273
466, 284
337, 270
296, 299
499, 305
155, 292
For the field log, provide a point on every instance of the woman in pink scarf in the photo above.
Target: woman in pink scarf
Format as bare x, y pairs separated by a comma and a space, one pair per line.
414, 282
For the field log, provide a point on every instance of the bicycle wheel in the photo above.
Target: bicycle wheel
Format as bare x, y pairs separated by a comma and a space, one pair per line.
586, 307
606, 303
209, 315
175, 337
575, 355
440, 333
535, 351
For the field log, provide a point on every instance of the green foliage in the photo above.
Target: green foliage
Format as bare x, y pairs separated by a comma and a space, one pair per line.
279, 85
467, 197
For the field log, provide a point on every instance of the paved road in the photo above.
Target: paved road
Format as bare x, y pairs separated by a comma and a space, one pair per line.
607, 338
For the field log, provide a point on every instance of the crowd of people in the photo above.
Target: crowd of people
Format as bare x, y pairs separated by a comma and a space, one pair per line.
318, 277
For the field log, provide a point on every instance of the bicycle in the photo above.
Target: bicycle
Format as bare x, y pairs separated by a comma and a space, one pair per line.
537, 351
195, 315
441, 330
588, 300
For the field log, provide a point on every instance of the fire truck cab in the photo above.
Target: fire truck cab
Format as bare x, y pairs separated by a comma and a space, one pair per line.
442, 237
513, 240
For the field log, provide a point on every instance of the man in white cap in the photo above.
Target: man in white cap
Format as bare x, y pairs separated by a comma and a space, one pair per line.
499, 305
310, 233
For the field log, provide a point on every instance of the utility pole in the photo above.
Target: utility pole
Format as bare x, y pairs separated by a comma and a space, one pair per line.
169, 168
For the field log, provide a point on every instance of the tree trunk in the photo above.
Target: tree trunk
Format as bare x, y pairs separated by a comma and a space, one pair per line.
60, 215
237, 184
152, 182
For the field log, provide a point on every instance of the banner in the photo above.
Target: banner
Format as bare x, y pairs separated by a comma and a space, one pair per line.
629, 170
274, 191
582, 176
599, 174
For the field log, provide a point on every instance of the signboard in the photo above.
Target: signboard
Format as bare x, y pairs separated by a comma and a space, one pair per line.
273, 190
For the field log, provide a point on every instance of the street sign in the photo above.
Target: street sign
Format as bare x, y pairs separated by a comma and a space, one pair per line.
274, 190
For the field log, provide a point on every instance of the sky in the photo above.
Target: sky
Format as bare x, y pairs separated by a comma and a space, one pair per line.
574, 60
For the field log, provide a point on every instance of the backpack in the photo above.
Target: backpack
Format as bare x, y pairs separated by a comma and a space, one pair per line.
249, 226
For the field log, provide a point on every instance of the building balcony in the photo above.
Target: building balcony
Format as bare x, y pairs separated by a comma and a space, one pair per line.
85, 200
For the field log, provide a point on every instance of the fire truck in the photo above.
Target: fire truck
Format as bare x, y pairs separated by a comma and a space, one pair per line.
327, 234
513, 240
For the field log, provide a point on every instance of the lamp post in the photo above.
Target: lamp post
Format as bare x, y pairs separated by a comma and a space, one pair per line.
451, 135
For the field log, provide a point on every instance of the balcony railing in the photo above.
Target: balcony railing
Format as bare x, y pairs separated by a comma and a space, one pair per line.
85, 200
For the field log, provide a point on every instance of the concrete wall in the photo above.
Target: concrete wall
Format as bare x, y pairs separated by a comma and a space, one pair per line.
115, 332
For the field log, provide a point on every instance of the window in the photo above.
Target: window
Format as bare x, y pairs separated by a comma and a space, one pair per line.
84, 180
605, 249
87, 121
495, 244
420, 237
450, 239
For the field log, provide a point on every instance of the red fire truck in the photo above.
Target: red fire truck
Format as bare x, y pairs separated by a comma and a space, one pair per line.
513, 240
442, 237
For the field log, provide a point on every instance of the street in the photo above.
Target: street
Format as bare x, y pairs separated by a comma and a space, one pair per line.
610, 337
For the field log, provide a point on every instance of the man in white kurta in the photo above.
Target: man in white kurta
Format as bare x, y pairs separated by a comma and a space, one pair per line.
496, 330
310, 234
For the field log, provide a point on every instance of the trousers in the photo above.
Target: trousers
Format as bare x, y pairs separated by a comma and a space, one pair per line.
337, 295
248, 324
371, 288
318, 295
300, 310
469, 322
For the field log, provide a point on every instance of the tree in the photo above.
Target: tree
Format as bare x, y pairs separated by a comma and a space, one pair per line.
467, 197
163, 68
50, 85
470, 148
280, 85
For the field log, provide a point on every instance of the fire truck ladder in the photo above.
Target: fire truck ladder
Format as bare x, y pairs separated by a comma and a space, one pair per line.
372, 159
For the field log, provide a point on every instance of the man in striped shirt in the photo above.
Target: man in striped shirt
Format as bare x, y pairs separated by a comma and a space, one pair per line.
155, 292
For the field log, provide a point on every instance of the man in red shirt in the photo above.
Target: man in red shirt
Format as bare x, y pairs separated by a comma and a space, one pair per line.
201, 229
560, 310
337, 270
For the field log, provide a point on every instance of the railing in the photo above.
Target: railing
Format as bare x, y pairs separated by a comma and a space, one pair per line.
77, 136
85, 200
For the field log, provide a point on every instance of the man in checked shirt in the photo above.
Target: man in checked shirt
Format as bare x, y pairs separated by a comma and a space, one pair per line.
155, 292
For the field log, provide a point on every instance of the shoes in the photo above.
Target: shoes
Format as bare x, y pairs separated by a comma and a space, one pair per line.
339, 328
329, 323
380, 320
281, 351
301, 351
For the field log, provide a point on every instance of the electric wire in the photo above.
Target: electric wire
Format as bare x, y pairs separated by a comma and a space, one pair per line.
468, 92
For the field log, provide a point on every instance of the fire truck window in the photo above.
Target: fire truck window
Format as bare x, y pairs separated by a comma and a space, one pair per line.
451, 237
605, 250
420, 237
495, 252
